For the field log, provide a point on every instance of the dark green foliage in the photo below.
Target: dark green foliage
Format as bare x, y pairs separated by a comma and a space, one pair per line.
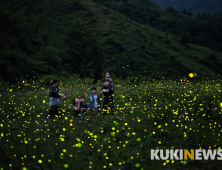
168, 42
76, 6
84, 54
185, 38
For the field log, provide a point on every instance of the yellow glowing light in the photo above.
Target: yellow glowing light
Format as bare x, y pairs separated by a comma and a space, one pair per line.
191, 75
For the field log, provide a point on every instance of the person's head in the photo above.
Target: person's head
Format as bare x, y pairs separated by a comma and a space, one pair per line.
81, 99
106, 82
75, 100
55, 82
107, 74
93, 90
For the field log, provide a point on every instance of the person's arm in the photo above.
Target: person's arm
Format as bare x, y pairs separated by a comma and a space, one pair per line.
90, 97
101, 92
77, 107
111, 81
85, 107
62, 95
53, 91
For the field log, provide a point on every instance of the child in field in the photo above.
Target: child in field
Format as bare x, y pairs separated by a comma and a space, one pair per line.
107, 90
109, 78
94, 104
83, 107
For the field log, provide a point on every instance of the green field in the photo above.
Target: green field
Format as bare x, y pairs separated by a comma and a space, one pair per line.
158, 114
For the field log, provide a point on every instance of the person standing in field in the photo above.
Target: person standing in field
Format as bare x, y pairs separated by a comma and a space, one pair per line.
94, 104
111, 83
107, 91
54, 98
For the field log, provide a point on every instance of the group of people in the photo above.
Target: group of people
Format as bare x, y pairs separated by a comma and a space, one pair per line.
81, 109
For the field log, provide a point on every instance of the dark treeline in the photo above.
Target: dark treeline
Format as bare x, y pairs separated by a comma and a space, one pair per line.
197, 6
204, 29
65, 37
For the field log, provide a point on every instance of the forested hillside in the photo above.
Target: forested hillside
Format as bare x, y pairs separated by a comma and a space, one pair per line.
64, 37
204, 29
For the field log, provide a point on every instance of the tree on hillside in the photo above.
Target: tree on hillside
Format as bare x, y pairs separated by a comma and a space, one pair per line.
185, 12
190, 13
171, 9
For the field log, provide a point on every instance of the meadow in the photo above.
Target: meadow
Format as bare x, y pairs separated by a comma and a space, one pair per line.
158, 114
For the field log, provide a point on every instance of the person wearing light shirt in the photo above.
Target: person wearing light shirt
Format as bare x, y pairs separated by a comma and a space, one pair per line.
94, 104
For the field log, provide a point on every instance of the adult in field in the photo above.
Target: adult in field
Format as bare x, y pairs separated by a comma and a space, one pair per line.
110, 83
54, 98
107, 91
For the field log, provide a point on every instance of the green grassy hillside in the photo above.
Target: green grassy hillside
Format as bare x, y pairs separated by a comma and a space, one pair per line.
83, 37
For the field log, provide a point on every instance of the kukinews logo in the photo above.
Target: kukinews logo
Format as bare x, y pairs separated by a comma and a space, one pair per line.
183, 154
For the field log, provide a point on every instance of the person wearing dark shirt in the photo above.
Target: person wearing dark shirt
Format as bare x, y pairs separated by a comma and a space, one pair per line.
110, 83
107, 91
54, 98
